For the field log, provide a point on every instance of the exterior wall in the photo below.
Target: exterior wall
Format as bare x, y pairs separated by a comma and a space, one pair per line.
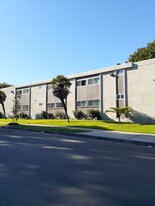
89, 94
71, 99
136, 85
24, 100
109, 95
141, 90
38, 99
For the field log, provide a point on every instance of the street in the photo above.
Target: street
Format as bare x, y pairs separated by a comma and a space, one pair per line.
40, 169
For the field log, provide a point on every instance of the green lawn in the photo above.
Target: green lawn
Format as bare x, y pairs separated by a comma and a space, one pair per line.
89, 124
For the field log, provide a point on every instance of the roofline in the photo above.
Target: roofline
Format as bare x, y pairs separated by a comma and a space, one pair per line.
78, 75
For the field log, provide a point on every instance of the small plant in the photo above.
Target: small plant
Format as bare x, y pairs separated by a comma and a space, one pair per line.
44, 115
38, 116
51, 116
120, 111
94, 114
60, 115
1, 115
78, 114
23, 115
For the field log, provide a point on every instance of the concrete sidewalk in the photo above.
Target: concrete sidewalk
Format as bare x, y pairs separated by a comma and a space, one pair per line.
148, 139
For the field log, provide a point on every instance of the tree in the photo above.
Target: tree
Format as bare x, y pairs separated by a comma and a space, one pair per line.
60, 86
4, 84
16, 105
2, 100
120, 111
143, 53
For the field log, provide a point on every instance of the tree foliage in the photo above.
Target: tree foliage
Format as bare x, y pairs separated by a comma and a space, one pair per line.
4, 84
2, 100
143, 53
120, 111
16, 105
60, 86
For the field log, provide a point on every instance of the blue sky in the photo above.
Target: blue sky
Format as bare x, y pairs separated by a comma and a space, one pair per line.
40, 39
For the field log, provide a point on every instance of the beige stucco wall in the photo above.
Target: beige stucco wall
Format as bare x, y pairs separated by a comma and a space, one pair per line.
109, 94
141, 89
71, 100
38, 96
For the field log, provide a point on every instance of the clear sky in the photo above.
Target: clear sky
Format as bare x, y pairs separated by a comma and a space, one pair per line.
40, 39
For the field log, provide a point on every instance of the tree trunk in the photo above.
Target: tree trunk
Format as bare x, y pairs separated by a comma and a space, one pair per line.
65, 108
118, 116
3, 109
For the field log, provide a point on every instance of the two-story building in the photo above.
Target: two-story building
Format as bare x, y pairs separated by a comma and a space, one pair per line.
130, 84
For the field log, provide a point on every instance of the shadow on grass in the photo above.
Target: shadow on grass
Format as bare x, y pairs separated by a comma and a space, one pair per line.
43, 129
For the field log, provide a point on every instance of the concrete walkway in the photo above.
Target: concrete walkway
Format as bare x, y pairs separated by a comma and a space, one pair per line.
122, 136
136, 138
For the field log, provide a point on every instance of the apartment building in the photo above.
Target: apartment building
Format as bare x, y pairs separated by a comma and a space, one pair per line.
130, 84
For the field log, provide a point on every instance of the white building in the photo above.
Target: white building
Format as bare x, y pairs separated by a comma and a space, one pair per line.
130, 84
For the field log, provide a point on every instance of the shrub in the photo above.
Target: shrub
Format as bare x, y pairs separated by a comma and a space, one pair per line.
16, 116
94, 114
1, 115
120, 111
51, 116
38, 116
78, 114
60, 115
23, 116
44, 115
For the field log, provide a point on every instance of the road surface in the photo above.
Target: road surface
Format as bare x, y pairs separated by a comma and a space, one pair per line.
39, 169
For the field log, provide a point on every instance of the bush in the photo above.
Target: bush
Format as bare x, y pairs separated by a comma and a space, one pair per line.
38, 116
51, 116
60, 115
23, 116
94, 114
1, 115
44, 115
78, 114
16, 116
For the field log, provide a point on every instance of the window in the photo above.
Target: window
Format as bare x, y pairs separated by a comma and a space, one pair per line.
90, 81
120, 96
49, 87
50, 105
120, 72
59, 105
40, 87
93, 81
96, 80
81, 103
81, 83
19, 92
40, 104
94, 103
25, 107
25, 91
19, 107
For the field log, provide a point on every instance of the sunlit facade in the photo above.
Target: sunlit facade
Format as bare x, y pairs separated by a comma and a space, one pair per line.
130, 84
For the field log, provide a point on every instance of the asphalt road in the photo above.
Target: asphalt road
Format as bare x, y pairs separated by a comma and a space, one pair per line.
38, 169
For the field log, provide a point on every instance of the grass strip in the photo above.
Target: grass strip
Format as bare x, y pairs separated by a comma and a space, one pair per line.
87, 124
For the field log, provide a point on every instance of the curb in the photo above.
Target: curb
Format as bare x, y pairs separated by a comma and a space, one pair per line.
107, 139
